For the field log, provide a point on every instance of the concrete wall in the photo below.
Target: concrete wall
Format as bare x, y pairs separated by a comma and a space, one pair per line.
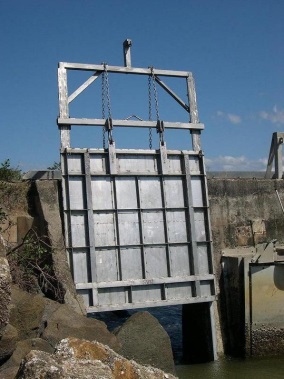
36, 205
245, 212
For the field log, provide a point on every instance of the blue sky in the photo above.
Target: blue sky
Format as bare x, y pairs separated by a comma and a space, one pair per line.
234, 49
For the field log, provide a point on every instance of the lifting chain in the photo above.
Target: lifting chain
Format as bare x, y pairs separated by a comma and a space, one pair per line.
106, 102
155, 93
150, 109
160, 125
103, 109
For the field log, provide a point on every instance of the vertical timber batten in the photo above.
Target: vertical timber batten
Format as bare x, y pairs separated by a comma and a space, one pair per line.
90, 228
195, 134
189, 203
63, 106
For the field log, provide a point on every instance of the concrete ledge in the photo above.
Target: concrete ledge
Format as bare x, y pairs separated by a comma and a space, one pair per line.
236, 174
42, 175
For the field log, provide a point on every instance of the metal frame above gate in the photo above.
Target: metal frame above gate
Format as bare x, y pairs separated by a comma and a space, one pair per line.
137, 221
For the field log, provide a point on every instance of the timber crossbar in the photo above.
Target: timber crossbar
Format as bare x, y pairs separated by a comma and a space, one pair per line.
65, 121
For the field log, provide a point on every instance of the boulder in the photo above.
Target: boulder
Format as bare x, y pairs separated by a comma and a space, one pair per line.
22, 348
8, 342
143, 339
65, 322
78, 359
9, 373
26, 313
5, 292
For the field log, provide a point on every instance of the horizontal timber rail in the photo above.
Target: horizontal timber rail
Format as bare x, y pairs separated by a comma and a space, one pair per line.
139, 282
129, 123
124, 70
150, 303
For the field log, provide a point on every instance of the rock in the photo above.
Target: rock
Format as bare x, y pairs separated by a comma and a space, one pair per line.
26, 313
41, 365
78, 359
9, 373
50, 307
5, 292
23, 348
48, 208
8, 342
143, 339
65, 322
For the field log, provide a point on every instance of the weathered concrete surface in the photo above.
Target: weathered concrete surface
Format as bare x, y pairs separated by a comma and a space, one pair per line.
49, 210
266, 297
84, 359
14, 202
254, 306
267, 341
144, 340
243, 211
235, 203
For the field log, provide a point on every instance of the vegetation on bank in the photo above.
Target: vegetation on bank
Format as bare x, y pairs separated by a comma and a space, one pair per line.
30, 260
9, 173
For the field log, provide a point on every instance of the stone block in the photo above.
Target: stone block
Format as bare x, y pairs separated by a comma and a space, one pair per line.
81, 359
144, 340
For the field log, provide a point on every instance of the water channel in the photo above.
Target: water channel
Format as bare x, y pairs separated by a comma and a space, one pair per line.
224, 368
264, 368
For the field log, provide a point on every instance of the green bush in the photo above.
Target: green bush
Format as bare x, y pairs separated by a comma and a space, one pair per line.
8, 173
55, 166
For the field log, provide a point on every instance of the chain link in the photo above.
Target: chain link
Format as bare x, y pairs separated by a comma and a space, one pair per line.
160, 131
150, 109
155, 93
103, 109
107, 91
106, 102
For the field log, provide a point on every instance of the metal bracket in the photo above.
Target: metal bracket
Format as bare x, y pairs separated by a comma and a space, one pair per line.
127, 54
109, 128
264, 252
108, 124
160, 126
160, 129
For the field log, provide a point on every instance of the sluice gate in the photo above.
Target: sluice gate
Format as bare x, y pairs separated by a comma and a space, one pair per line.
137, 224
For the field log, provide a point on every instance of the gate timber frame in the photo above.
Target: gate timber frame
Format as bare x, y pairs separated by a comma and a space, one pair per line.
137, 223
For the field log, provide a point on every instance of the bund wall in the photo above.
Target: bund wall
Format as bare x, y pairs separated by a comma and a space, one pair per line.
244, 213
